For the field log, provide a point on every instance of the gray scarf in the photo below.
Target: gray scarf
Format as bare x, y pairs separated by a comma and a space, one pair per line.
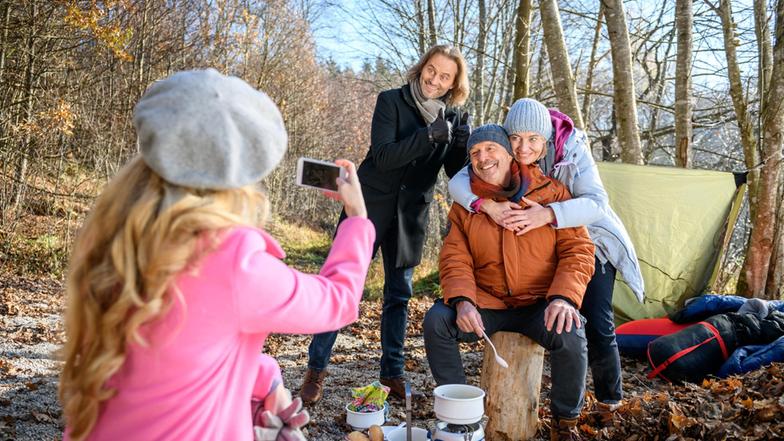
428, 108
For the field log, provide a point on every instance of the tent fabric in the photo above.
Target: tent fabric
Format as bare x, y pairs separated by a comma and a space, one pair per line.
675, 218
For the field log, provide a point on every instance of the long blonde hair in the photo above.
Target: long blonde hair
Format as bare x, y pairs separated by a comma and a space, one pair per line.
123, 262
458, 95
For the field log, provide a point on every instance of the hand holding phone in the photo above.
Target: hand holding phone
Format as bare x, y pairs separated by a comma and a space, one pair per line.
319, 174
337, 180
350, 191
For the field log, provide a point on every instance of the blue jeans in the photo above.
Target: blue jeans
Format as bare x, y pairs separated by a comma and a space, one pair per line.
568, 360
600, 330
398, 289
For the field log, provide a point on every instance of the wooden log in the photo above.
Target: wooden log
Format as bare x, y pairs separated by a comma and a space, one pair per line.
512, 402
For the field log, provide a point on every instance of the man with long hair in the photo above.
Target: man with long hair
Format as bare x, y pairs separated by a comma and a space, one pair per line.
415, 132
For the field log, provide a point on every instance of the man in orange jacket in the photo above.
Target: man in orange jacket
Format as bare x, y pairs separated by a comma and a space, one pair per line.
494, 280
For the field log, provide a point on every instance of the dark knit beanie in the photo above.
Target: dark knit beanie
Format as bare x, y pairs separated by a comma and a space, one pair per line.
489, 132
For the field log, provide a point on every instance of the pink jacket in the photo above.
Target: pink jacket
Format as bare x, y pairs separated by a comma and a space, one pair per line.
204, 363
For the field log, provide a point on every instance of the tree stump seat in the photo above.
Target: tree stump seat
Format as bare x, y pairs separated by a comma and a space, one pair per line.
512, 394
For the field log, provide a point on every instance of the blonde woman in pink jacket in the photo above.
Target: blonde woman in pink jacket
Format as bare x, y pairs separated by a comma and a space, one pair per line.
173, 285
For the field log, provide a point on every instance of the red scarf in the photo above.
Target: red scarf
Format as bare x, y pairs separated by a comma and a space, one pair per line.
513, 192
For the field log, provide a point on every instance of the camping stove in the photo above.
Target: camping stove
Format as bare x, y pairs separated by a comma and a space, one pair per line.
458, 432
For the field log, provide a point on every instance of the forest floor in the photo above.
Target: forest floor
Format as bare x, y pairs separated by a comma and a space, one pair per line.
31, 332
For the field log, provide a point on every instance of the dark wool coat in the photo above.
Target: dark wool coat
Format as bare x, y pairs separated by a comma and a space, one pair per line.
400, 171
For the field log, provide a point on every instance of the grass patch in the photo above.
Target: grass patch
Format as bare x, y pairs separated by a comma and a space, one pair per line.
42, 254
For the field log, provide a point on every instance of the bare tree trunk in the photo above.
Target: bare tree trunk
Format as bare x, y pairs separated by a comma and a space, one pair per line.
738, 100
657, 86
6, 25
420, 15
763, 227
431, 17
597, 35
479, 102
765, 49
683, 108
3, 49
559, 61
500, 60
775, 285
456, 23
743, 118
461, 12
522, 50
611, 140
26, 151
624, 97
142, 47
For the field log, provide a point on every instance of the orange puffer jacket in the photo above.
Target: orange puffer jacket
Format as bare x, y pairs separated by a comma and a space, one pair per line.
497, 269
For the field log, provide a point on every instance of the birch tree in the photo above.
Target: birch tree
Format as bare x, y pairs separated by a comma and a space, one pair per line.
759, 256
683, 107
478, 86
592, 61
624, 98
29, 84
420, 21
522, 45
739, 102
431, 19
560, 67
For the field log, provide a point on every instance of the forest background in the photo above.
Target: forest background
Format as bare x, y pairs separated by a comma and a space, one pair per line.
675, 83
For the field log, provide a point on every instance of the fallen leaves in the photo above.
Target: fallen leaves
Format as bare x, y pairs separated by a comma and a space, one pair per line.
722, 387
718, 409
750, 407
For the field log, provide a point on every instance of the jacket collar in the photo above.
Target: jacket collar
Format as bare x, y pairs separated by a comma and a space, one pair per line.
535, 177
407, 96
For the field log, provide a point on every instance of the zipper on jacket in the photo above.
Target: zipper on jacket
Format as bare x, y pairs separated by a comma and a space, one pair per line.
531, 190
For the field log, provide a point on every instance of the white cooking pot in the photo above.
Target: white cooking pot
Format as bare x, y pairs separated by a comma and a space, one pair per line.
363, 420
459, 403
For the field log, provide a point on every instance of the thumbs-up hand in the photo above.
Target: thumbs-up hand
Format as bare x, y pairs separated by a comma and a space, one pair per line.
439, 130
462, 131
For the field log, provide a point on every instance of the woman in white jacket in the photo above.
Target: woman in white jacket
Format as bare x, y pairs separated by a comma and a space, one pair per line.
568, 159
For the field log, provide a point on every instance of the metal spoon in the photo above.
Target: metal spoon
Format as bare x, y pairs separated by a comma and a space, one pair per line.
498, 358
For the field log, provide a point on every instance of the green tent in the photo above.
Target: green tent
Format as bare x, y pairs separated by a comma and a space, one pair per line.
678, 220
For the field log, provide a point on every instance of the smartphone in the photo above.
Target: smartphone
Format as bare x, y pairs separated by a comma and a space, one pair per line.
319, 174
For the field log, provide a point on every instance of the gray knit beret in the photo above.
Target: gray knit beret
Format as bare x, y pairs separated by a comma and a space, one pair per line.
529, 115
205, 130
489, 132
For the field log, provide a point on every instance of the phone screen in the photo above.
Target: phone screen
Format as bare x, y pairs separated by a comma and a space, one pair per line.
320, 175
